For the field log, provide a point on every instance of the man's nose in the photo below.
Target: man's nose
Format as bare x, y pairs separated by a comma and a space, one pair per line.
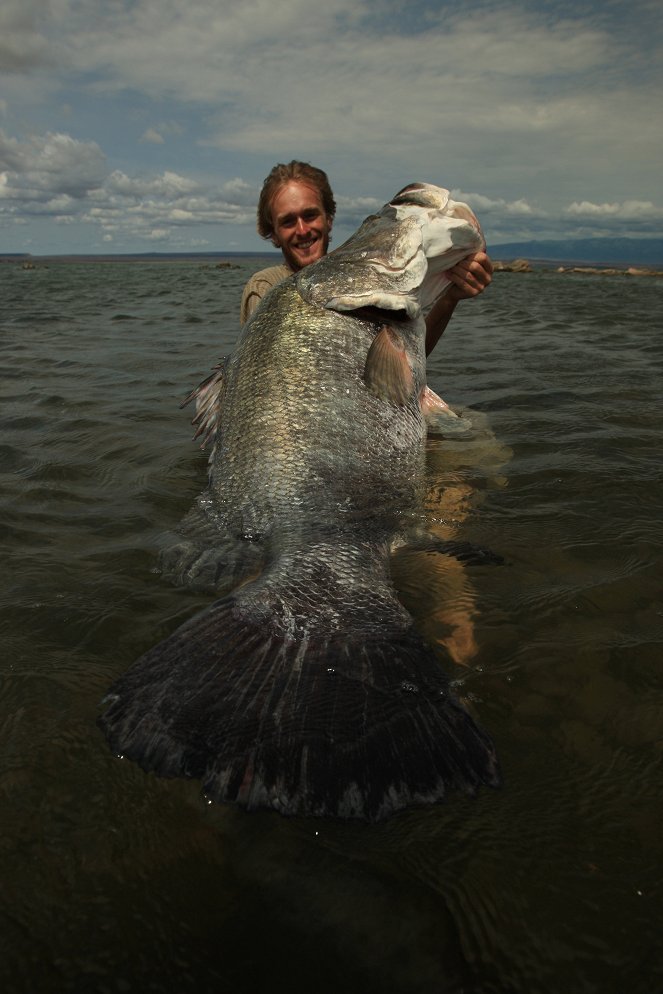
302, 226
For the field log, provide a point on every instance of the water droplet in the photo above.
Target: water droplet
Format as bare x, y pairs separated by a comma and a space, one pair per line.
331, 669
409, 688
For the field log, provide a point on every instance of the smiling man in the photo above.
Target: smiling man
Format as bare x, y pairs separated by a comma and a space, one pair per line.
296, 211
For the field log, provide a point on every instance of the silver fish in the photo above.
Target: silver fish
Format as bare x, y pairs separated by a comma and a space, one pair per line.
306, 688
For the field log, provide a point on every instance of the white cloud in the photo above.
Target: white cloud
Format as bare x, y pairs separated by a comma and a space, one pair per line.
159, 133
54, 175
487, 205
152, 136
631, 210
51, 163
166, 186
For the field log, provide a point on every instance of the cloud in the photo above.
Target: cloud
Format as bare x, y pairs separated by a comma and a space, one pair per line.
542, 108
158, 134
55, 176
632, 210
23, 45
152, 136
635, 218
49, 164
58, 177
487, 205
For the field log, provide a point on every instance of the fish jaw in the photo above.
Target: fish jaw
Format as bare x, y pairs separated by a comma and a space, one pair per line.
398, 258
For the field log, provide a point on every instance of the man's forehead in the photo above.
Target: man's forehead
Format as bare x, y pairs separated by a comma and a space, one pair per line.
294, 197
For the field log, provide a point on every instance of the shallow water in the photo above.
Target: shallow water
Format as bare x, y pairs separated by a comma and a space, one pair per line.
113, 880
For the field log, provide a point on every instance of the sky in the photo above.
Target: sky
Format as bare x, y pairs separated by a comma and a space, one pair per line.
149, 125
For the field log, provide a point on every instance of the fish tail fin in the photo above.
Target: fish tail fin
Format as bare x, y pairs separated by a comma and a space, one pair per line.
328, 728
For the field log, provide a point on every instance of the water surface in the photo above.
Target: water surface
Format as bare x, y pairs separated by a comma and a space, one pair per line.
113, 880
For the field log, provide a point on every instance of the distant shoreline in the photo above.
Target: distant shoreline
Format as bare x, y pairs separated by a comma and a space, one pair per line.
230, 260
583, 269
224, 260
20, 257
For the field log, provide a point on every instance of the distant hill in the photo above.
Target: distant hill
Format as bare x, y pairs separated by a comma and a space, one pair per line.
625, 251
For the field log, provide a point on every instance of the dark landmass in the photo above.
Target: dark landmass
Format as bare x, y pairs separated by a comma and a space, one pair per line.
525, 266
622, 252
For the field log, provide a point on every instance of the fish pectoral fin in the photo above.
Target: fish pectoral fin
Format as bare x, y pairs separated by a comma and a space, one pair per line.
439, 417
432, 404
209, 397
387, 372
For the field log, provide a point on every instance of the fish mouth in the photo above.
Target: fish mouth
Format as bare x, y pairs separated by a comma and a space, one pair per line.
380, 315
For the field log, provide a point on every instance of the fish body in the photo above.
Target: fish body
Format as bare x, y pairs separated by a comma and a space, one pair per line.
306, 688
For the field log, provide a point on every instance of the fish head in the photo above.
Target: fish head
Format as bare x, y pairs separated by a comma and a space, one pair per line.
396, 261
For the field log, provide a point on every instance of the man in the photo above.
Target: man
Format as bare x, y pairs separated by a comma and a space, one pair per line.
296, 212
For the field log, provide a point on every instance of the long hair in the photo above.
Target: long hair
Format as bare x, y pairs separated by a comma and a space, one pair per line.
282, 174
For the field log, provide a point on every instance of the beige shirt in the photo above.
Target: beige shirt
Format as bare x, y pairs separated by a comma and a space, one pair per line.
260, 284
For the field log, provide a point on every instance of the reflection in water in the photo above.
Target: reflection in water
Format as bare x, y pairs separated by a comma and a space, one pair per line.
116, 881
437, 589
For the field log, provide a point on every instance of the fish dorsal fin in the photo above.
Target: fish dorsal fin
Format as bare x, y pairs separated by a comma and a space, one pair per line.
208, 396
387, 372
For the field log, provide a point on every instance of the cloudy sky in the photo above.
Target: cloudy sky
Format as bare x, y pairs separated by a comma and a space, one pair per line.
149, 125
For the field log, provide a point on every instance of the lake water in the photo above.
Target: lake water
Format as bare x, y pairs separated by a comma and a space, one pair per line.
115, 881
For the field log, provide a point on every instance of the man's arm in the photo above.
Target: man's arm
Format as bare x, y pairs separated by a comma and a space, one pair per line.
468, 278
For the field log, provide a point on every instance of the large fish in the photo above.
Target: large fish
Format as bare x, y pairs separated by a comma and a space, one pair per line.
307, 689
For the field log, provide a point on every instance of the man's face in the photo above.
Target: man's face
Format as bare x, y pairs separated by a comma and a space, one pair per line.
301, 227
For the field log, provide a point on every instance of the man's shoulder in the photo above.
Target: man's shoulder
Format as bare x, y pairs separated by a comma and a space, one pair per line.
260, 284
269, 277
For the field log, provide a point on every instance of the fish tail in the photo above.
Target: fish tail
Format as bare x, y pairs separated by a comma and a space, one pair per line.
334, 727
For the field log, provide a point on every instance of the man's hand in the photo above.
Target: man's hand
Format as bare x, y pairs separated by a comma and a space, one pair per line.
470, 277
